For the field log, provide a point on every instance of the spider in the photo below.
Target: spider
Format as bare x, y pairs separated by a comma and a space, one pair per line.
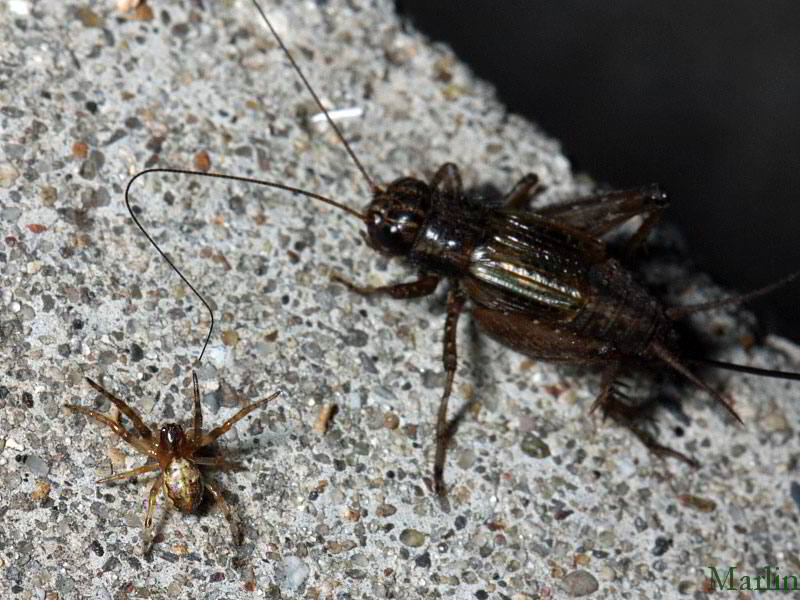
173, 453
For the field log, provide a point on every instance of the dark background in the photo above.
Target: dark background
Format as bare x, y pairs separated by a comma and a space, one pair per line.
701, 97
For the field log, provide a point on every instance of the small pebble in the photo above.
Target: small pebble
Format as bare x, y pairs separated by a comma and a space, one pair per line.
412, 537
41, 492
219, 356
8, 174
80, 150
698, 503
385, 510
37, 466
794, 489
534, 446
580, 583
391, 420
290, 574
137, 353
230, 337
19, 7
13, 444
339, 547
202, 161
662, 544
423, 560
324, 418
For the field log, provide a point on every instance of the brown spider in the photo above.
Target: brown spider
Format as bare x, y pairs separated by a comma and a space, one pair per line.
174, 453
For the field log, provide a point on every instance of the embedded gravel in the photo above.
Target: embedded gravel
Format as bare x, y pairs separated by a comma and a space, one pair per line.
545, 501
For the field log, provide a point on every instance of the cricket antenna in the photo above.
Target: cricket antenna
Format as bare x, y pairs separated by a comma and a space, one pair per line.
252, 180
374, 188
170, 263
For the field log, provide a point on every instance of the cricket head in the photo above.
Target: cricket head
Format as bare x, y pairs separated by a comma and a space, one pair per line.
396, 215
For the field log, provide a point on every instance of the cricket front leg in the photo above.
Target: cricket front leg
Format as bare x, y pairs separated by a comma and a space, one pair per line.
424, 286
455, 304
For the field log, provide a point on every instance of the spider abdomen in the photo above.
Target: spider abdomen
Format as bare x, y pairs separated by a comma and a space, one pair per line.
183, 484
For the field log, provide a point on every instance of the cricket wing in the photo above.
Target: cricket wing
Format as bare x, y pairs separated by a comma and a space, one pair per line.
530, 264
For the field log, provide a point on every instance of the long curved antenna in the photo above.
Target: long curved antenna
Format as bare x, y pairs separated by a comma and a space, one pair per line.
253, 180
373, 187
169, 262
273, 184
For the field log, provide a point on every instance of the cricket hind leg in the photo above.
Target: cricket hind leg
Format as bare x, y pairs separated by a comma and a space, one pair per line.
614, 404
548, 343
602, 213
444, 429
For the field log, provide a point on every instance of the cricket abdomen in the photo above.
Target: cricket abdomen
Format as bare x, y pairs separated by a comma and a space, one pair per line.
619, 312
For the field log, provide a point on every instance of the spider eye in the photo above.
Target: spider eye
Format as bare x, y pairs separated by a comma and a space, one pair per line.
171, 435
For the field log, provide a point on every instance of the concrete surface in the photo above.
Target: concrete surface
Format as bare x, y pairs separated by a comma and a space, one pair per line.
545, 501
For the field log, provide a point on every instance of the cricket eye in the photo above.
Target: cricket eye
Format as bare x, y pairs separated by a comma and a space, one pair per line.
395, 217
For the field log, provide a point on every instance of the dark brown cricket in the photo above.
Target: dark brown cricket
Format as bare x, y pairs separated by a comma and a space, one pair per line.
543, 283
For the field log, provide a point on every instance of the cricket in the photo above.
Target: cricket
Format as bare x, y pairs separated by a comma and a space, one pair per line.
544, 283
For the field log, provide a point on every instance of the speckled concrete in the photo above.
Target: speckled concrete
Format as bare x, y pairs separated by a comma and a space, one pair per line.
545, 500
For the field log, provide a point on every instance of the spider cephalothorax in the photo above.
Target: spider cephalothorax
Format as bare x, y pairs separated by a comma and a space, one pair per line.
173, 453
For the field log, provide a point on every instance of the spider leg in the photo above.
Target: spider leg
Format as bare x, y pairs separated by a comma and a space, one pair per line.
217, 494
151, 508
198, 410
212, 435
131, 473
144, 430
142, 445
